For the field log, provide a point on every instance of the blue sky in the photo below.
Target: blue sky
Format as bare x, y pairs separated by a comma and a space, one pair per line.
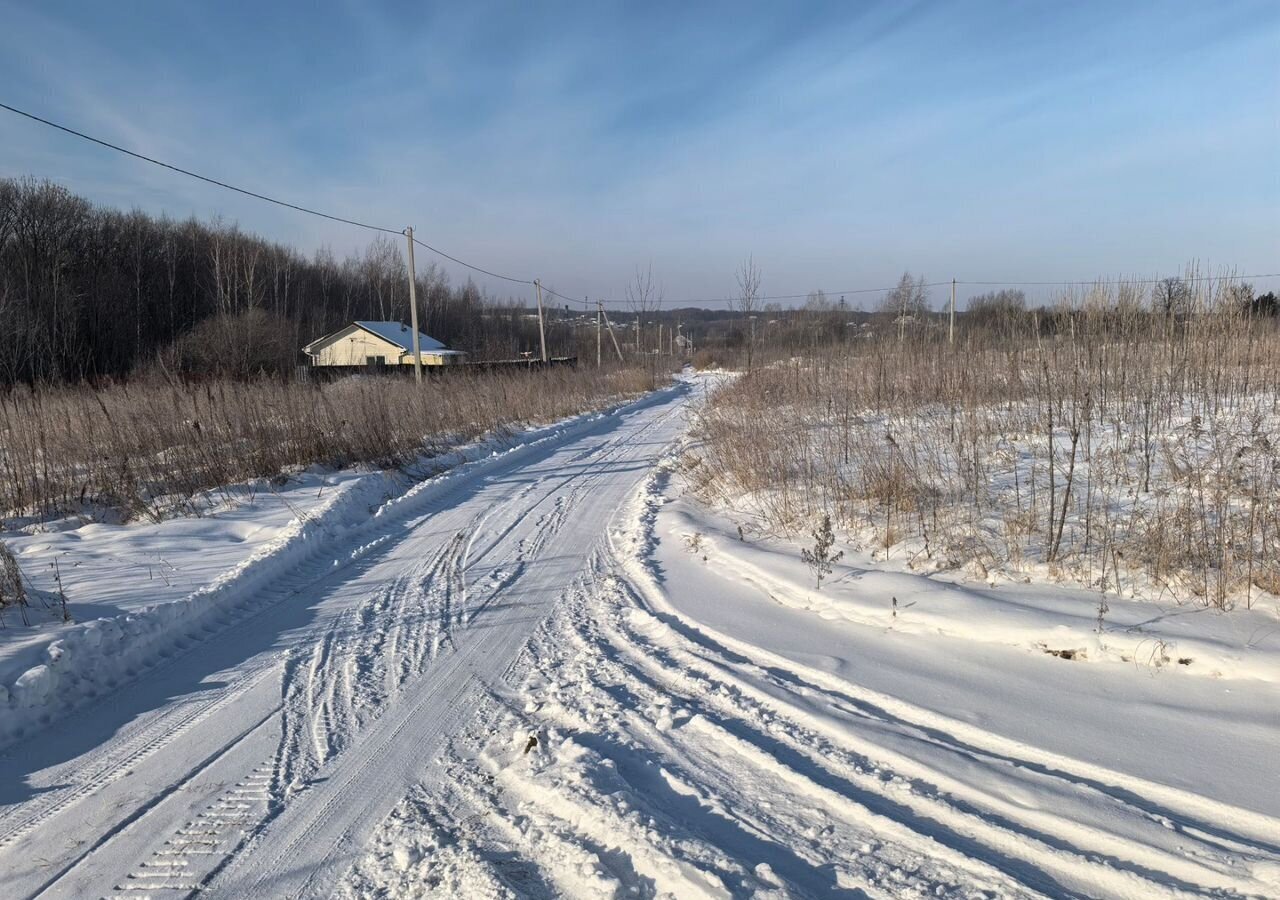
839, 143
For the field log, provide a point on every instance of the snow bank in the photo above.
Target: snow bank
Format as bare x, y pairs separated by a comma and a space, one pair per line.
1193, 639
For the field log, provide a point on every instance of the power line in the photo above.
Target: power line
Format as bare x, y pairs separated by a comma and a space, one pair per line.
548, 290
189, 173
254, 193
528, 281
1117, 280
476, 268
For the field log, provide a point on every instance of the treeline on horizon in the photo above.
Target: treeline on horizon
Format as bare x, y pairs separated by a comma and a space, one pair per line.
89, 293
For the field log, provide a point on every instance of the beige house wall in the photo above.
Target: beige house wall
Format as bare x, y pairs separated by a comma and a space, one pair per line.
355, 346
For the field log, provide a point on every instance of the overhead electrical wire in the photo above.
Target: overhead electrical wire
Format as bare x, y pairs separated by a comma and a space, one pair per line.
1114, 281
249, 193
189, 173
469, 266
529, 281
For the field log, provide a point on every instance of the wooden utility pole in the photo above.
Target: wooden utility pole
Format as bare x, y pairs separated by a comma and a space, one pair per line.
599, 331
413, 309
542, 329
951, 331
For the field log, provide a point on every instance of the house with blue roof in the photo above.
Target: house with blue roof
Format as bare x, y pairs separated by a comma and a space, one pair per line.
378, 344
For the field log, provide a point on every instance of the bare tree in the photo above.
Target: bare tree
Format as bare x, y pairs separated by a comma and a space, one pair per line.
748, 301
818, 302
749, 279
644, 295
909, 299
996, 308
1238, 296
1171, 296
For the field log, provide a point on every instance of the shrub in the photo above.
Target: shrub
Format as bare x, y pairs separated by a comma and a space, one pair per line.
707, 359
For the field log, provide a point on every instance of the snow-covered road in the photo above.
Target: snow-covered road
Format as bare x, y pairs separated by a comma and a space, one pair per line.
700, 737
552, 673
257, 760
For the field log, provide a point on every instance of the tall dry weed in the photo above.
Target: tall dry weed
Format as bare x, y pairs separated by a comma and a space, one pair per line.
145, 448
1123, 447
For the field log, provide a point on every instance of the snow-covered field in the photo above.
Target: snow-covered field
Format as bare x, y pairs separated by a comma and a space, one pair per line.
551, 672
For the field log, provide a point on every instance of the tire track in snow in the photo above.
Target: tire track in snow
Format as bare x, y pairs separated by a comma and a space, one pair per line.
118, 760
692, 819
325, 680
677, 743
679, 656
382, 627
78, 782
364, 785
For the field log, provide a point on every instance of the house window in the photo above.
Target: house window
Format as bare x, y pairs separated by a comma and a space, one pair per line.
375, 360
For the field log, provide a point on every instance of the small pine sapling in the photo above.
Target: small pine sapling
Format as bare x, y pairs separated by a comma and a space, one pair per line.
820, 559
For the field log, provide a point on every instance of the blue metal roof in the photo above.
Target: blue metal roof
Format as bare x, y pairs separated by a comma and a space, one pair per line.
401, 335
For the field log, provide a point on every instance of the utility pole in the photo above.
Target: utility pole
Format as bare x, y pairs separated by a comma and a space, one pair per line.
599, 334
613, 337
951, 331
542, 329
413, 309
659, 337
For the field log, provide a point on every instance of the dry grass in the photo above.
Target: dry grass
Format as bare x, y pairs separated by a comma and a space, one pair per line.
1125, 450
13, 590
711, 359
147, 448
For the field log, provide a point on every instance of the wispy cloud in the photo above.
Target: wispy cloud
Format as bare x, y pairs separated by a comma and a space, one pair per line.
839, 143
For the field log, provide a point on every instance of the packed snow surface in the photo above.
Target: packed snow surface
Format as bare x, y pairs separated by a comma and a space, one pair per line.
549, 672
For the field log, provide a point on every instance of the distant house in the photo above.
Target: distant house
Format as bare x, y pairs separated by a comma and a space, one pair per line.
378, 344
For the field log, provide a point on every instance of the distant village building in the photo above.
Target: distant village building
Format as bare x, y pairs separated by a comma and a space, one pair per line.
378, 344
